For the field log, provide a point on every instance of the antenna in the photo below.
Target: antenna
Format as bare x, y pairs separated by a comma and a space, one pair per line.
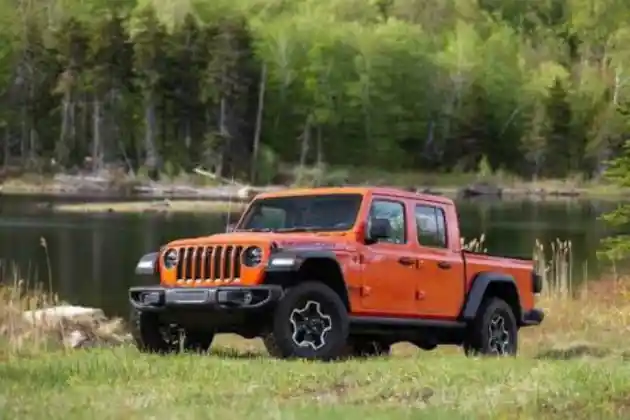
229, 212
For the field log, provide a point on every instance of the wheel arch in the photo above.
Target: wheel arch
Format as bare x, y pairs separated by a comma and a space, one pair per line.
320, 265
492, 284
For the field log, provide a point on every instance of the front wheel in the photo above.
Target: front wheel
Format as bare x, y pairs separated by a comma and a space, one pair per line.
310, 322
152, 336
494, 331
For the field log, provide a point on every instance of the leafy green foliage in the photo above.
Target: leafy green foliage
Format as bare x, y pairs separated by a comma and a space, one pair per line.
532, 88
617, 246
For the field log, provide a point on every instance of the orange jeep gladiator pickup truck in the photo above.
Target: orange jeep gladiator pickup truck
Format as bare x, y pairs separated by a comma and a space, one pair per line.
331, 272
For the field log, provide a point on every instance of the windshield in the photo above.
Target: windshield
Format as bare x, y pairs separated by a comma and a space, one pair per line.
333, 212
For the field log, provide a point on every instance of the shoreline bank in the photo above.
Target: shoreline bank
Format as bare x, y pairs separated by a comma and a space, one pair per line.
133, 196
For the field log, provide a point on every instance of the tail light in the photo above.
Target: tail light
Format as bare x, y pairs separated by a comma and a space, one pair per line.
537, 283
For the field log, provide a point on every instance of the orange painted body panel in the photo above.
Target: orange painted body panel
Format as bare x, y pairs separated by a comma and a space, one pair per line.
378, 282
388, 286
520, 270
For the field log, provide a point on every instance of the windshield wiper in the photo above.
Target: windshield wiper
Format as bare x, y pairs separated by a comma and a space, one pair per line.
255, 230
298, 229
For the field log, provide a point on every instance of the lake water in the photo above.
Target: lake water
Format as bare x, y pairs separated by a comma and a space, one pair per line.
93, 256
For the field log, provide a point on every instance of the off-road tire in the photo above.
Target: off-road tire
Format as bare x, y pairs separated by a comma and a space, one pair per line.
365, 347
279, 340
145, 331
478, 337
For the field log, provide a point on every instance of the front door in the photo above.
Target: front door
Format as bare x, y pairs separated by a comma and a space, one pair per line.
390, 264
440, 283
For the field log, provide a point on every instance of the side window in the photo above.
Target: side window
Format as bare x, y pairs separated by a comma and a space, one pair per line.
430, 226
394, 212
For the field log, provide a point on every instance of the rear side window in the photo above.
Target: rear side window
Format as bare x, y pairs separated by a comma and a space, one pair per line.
430, 226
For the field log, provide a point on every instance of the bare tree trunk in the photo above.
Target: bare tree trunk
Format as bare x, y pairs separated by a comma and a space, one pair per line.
62, 144
24, 133
84, 135
7, 149
31, 126
223, 133
306, 140
151, 160
96, 137
259, 114
72, 143
188, 133
110, 129
366, 113
320, 147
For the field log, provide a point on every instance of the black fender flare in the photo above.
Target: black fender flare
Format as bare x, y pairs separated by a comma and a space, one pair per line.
292, 260
147, 264
480, 284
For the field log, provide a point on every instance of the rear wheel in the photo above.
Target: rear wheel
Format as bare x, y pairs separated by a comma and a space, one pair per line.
310, 322
366, 347
494, 332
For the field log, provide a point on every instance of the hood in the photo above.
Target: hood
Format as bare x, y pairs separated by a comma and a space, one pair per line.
328, 240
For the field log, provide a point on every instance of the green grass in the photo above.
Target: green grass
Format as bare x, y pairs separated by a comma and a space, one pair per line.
121, 383
576, 365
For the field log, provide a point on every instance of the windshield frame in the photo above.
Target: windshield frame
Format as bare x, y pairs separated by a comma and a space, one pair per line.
247, 214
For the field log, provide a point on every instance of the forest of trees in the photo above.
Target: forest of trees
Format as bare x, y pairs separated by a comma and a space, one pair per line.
537, 88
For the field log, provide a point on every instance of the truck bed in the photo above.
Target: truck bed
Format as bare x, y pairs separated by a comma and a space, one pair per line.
499, 260
519, 269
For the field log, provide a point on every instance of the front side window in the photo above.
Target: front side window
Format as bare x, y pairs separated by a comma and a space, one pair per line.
430, 226
332, 212
394, 213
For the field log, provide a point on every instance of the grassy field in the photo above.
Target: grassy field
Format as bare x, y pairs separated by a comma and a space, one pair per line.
576, 365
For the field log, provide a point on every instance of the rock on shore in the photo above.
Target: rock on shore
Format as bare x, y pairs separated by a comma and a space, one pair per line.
72, 326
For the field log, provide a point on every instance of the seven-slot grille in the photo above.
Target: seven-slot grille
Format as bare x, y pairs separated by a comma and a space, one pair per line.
218, 263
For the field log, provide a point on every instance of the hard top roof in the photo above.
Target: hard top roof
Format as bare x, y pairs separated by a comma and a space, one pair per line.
382, 191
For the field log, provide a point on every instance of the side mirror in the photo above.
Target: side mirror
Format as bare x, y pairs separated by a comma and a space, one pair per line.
379, 229
230, 227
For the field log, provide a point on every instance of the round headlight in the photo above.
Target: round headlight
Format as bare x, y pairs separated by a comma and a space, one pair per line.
170, 259
252, 256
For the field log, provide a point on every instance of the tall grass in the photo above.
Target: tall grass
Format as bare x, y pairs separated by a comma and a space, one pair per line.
25, 329
475, 244
556, 269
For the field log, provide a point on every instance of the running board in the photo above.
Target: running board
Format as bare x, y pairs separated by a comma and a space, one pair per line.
404, 322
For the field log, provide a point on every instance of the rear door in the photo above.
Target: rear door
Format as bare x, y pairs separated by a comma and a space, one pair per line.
440, 282
390, 264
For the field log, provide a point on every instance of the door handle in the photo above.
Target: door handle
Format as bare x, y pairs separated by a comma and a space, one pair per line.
444, 265
406, 261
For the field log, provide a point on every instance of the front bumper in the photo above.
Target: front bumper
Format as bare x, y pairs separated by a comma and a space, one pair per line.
220, 298
533, 317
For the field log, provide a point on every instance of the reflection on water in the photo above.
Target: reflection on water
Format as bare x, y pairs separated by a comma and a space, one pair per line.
93, 256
